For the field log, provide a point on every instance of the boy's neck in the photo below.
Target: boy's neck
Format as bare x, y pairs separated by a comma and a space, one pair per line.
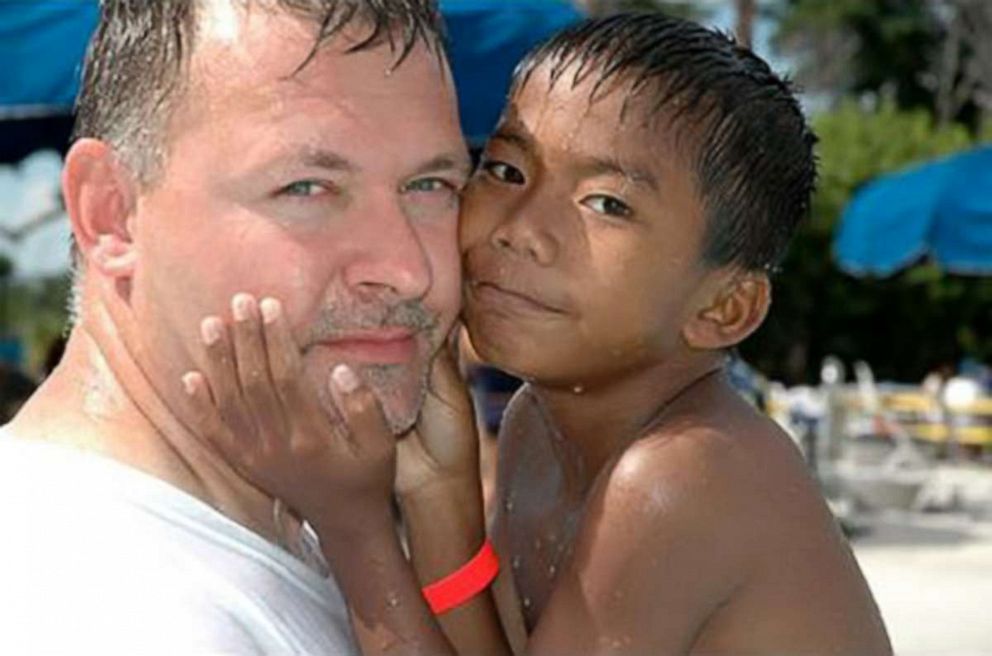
590, 426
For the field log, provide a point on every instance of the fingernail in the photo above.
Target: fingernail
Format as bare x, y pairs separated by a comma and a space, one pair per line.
345, 378
188, 384
241, 306
271, 309
210, 330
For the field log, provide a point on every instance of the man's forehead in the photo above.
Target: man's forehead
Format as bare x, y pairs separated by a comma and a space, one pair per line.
231, 30
221, 20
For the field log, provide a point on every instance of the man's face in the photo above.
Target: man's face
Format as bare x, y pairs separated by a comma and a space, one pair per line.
581, 235
333, 189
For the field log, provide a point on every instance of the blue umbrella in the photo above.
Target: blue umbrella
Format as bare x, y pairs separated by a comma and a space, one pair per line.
486, 39
42, 43
941, 209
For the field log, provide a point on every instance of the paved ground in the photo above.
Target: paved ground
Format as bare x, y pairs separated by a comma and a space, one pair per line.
932, 578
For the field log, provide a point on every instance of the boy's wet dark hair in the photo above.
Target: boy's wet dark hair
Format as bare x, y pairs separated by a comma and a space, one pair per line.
751, 148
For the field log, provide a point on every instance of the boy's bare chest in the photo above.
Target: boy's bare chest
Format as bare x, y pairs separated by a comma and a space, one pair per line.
540, 517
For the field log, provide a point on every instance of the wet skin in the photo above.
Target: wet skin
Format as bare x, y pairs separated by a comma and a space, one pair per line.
641, 505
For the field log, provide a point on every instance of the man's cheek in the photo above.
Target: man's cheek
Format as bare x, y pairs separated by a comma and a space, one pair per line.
446, 267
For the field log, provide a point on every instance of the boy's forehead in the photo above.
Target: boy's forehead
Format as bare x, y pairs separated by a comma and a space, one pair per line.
588, 114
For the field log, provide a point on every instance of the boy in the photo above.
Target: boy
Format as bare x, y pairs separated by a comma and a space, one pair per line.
617, 242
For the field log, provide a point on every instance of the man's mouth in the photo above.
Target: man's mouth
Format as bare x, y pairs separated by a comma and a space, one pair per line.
374, 346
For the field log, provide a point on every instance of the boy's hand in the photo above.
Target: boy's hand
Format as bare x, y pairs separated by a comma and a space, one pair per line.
251, 404
443, 448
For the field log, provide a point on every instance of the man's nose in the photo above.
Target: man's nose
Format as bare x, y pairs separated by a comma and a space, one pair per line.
391, 257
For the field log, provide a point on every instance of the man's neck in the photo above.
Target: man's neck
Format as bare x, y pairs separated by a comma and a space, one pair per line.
100, 400
588, 426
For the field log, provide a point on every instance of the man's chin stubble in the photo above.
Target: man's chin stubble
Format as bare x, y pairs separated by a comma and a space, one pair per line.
388, 383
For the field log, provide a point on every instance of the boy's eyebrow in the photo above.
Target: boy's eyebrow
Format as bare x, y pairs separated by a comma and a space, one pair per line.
513, 137
589, 166
612, 166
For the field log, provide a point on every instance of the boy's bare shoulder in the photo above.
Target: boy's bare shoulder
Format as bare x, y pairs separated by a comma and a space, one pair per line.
716, 465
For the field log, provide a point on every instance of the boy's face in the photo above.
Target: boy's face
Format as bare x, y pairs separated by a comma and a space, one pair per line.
581, 237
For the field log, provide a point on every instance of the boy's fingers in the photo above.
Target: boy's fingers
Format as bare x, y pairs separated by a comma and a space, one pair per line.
251, 362
447, 391
285, 365
203, 412
367, 428
445, 377
223, 379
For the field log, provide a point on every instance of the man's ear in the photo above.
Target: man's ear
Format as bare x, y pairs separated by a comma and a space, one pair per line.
100, 198
736, 309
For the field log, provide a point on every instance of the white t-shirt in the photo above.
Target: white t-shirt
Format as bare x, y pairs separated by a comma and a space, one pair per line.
99, 558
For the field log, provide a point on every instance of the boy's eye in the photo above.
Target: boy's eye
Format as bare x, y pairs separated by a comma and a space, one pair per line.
607, 205
304, 189
504, 172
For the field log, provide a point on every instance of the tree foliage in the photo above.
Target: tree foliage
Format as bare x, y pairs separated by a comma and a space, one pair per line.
904, 325
931, 54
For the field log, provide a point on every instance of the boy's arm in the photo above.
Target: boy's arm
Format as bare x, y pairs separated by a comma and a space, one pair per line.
339, 476
656, 555
445, 529
440, 494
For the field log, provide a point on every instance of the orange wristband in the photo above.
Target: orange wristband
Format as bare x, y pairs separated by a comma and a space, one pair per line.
464, 583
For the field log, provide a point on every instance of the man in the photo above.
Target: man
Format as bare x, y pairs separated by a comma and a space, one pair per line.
307, 150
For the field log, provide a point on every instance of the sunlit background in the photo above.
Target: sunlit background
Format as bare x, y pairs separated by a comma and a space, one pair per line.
876, 356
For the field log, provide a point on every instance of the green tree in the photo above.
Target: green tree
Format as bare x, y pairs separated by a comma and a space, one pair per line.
903, 325
850, 47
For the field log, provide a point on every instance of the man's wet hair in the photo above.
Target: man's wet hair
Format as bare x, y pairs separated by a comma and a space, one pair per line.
135, 68
750, 145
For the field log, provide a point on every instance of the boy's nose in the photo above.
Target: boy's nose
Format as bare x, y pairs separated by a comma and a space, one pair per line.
524, 235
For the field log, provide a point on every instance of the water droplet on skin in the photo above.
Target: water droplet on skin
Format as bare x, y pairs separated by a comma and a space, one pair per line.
552, 570
515, 562
392, 600
527, 602
508, 504
578, 389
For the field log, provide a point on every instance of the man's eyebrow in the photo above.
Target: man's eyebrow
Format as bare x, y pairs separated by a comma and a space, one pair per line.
611, 166
327, 159
449, 162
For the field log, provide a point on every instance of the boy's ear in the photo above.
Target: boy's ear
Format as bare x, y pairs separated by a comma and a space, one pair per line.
100, 198
736, 309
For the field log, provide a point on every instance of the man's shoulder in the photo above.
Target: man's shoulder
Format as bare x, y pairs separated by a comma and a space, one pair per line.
97, 541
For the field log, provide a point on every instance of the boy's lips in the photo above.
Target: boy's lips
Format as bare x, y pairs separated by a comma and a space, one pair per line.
512, 298
379, 346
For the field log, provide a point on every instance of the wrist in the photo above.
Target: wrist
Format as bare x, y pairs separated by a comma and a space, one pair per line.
442, 490
355, 526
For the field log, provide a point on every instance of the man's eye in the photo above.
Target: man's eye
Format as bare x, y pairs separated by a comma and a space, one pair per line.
504, 172
430, 185
607, 205
304, 189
